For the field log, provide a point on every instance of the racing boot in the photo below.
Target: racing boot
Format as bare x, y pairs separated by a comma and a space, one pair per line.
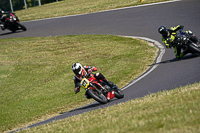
101, 77
112, 85
184, 52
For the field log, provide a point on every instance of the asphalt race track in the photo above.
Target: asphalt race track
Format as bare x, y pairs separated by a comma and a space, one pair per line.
140, 21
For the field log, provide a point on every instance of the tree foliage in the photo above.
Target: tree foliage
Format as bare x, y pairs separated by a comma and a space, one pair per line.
19, 4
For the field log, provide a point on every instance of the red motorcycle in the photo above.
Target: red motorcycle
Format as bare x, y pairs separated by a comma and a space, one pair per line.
12, 23
99, 90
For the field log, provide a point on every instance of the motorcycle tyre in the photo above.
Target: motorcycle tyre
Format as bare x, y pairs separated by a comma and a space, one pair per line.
119, 94
2, 28
13, 30
22, 27
194, 49
90, 92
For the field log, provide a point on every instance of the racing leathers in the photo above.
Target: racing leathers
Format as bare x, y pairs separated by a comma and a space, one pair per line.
98, 76
3, 22
170, 40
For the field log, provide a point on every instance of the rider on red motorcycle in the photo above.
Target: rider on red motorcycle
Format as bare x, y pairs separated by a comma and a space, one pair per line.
80, 71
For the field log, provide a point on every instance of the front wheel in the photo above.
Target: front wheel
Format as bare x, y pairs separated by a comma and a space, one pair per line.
194, 48
119, 93
22, 27
99, 98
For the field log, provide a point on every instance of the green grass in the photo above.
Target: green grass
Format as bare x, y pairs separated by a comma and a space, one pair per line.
175, 111
72, 7
37, 80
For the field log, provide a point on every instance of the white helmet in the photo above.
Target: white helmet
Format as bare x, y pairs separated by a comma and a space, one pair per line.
77, 69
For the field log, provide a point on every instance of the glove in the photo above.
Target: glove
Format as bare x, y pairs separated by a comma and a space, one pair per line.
190, 32
76, 90
181, 27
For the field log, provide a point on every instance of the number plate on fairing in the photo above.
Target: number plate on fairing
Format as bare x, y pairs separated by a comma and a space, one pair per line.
85, 83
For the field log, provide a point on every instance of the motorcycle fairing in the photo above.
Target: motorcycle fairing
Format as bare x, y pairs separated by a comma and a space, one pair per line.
110, 95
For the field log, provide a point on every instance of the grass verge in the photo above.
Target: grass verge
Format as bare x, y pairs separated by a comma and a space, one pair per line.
175, 111
73, 7
37, 80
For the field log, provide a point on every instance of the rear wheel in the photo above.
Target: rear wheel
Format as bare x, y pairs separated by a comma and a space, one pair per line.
99, 98
13, 30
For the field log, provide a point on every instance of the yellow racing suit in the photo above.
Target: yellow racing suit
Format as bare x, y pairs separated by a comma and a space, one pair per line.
169, 41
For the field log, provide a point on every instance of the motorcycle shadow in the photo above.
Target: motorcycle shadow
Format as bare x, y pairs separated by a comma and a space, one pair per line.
90, 106
186, 57
8, 33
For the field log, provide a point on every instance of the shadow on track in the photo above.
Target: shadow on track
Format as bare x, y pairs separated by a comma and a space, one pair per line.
9, 33
186, 57
94, 105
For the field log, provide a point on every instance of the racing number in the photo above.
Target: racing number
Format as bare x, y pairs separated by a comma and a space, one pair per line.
84, 83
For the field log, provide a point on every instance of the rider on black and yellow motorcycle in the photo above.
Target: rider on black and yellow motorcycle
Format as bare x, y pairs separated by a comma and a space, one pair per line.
169, 39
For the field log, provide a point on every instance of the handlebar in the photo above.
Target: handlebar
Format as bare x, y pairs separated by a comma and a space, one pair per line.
183, 37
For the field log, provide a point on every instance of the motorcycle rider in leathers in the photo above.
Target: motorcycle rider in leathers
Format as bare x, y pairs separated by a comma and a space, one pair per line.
80, 71
3, 22
169, 37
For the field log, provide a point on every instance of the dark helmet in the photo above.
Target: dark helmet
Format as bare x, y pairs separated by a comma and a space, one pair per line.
77, 68
162, 30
